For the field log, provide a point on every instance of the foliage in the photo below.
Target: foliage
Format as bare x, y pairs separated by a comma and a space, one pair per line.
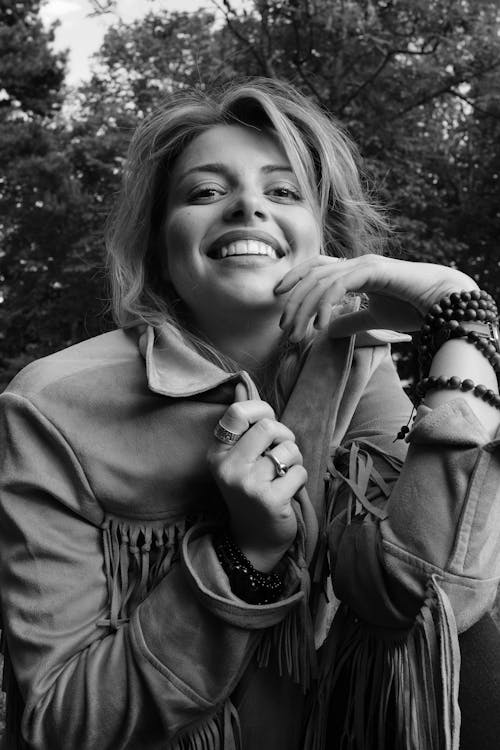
414, 81
40, 196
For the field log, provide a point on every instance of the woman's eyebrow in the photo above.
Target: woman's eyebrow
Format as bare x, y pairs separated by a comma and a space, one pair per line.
220, 168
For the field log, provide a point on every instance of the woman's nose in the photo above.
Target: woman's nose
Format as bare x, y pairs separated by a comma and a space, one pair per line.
246, 206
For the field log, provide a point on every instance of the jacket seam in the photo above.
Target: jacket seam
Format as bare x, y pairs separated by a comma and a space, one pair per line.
159, 666
458, 555
430, 569
56, 432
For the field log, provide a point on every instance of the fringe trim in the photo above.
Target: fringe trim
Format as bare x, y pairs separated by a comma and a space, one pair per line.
409, 682
291, 641
220, 732
363, 481
352, 467
136, 557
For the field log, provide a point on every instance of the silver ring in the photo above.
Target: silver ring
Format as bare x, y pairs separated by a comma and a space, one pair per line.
280, 467
226, 436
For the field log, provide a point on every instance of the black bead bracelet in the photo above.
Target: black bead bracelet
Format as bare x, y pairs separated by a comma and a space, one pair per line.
471, 316
248, 583
448, 319
454, 383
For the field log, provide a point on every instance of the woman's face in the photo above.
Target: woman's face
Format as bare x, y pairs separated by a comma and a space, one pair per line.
236, 221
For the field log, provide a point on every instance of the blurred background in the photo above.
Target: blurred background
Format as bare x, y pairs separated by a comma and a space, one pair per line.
415, 82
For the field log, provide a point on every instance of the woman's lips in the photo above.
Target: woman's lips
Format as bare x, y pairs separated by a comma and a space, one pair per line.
249, 242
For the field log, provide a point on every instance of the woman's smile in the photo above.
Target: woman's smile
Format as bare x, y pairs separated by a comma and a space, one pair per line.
239, 243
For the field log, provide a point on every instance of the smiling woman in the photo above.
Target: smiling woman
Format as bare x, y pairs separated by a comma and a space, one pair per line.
232, 230
210, 537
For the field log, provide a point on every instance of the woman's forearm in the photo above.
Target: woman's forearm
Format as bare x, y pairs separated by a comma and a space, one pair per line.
459, 358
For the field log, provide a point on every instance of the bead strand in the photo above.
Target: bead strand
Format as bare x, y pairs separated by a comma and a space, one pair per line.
454, 383
250, 584
447, 320
444, 319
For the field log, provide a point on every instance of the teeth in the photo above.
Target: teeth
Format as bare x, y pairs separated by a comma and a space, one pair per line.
248, 247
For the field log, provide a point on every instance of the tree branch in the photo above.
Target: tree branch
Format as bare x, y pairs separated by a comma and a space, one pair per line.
448, 88
473, 104
227, 10
368, 81
100, 7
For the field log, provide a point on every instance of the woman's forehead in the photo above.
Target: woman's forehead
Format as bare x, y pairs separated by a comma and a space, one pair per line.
232, 143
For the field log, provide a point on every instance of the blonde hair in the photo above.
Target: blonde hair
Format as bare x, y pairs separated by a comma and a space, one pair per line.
323, 157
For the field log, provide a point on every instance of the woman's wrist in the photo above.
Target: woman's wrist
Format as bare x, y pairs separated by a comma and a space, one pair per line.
459, 353
249, 583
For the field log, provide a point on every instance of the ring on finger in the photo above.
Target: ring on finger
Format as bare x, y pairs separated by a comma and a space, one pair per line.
279, 467
225, 436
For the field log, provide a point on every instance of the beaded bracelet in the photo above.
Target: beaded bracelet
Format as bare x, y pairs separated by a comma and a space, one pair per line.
454, 383
248, 583
472, 316
445, 320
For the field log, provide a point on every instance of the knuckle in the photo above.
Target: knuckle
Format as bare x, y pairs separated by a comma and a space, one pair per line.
235, 411
249, 486
301, 474
225, 473
292, 452
266, 425
269, 409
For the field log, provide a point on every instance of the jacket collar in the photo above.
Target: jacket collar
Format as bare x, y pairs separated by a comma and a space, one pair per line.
175, 369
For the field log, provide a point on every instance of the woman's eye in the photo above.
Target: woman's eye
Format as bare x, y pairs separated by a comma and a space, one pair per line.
285, 192
206, 193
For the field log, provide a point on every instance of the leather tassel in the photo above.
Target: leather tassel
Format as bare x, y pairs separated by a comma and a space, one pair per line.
220, 731
410, 676
136, 557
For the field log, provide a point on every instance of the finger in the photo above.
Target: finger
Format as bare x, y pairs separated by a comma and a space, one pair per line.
301, 291
284, 488
240, 393
301, 270
303, 300
241, 414
313, 306
287, 453
262, 435
329, 290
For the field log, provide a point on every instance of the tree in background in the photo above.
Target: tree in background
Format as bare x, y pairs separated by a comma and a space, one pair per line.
42, 281
414, 82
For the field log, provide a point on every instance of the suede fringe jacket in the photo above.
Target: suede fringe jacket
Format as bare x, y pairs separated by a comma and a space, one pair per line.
120, 629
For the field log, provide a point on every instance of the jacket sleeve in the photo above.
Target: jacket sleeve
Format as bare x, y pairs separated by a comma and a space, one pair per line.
403, 521
161, 674
414, 548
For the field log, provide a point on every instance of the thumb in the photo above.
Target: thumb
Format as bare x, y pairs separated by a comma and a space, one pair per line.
234, 422
240, 392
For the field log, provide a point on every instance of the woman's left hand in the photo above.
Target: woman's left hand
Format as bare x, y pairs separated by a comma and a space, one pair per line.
400, 293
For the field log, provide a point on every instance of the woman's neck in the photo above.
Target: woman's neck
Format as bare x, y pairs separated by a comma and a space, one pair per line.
252, 341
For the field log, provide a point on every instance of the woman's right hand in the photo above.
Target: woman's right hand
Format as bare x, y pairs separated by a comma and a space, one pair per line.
263, 522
